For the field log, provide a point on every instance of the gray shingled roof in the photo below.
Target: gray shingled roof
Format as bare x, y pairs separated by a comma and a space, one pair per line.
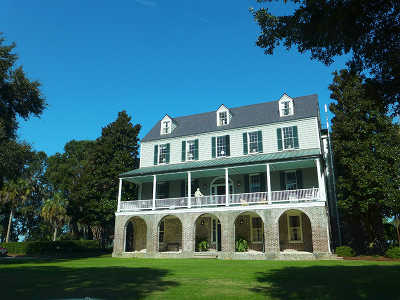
243, 116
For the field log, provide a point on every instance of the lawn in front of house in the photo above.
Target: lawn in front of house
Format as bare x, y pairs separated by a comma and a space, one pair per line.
129, 278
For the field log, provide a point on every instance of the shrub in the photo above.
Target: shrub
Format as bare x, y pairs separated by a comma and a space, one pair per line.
203, 246
52, 248
393, 252
241, 245
345, 251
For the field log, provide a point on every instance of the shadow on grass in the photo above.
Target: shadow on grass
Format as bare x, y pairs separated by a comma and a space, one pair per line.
330, 282
52, 282
23, 259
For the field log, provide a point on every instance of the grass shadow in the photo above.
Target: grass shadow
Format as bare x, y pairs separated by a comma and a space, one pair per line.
55, 282
330, 282
23, 259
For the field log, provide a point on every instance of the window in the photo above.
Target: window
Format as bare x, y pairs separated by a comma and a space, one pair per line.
191, 150
161, 232
253, 142
291, 180
223, 118
256, 230
214, 230
166, 128
221, 146
255, 184
286, 108
294, 227
162, 156
162, 190
288, 138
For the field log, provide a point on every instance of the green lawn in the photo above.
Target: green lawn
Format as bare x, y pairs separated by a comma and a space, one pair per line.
118, 278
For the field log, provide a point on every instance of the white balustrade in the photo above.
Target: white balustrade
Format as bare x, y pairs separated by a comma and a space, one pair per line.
260, 198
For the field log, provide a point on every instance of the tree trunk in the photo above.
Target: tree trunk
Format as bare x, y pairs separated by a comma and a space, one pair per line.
9, 225
398, 234
55, 234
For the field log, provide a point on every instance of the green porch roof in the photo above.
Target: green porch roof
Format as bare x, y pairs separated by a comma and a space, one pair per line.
223, 162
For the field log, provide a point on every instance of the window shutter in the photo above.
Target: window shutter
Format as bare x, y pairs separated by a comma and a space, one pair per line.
295, 138
260, 143
167, 156
183, 188
246, 183
213, 147
262, 182
245, 146
155, 154
183, 150
283, 183
196, 149
299, 177
279, 137
228, 147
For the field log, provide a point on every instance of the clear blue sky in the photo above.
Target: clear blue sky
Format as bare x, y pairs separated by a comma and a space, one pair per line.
148, 57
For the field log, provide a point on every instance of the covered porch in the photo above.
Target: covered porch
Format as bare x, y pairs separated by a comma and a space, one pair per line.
261, 183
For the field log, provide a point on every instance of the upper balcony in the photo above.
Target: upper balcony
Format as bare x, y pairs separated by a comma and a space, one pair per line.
242, 199
269, 183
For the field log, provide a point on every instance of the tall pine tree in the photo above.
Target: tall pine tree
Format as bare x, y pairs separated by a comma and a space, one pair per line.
366, 144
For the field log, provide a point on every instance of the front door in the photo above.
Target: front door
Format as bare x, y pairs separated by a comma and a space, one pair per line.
219, 236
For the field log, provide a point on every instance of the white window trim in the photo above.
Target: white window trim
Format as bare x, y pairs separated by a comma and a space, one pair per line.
248, 143
251, 230
158, 154
285, 98
220, 119
187, 150
216, 146
283, 139
222, 109
162, 127
298, 214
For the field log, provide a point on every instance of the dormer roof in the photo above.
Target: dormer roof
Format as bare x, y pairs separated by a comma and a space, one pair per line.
243, 116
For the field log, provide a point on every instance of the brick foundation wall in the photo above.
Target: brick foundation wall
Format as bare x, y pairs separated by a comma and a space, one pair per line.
317, 227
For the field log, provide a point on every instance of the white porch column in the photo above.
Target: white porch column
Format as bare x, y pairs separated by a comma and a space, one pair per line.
226, 187
140, 191
269, 185
154, 191
321, 181
119, 195
189, 189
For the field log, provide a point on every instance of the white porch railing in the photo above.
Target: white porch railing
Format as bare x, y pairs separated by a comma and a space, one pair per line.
288, 196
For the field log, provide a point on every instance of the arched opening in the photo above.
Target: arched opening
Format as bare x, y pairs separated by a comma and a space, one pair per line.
249, 233
217, 186
135, 235
295, 231
170, 234
207, 233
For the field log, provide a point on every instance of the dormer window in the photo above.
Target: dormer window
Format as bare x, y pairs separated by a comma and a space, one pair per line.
166, 128
223, 118
286, 107
167, 125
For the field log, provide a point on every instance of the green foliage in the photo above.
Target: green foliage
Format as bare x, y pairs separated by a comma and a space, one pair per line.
51, 248
18, 95
202, 245
345, 251
241, 245
54, 211
393, 252
364, 30
366, 147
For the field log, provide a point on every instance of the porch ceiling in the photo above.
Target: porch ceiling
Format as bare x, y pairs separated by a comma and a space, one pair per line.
238, 165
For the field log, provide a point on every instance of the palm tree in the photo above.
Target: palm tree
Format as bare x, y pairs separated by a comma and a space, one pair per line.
54, 211
15, 193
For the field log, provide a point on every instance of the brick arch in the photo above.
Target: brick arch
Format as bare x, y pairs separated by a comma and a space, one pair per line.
307, 243
137, 242
246, 231
170, 240
207, 230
